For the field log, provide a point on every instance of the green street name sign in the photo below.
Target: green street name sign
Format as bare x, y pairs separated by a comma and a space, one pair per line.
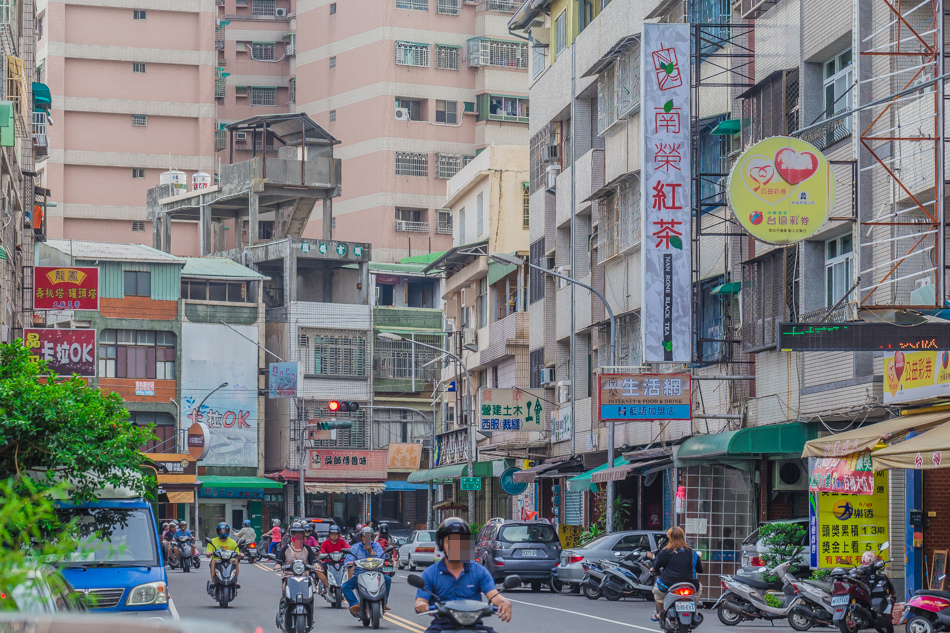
471, 483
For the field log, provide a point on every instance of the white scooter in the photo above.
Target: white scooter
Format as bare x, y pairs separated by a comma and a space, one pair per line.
371, 591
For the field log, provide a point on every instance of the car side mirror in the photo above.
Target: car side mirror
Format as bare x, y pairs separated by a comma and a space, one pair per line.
512, 581
416, 581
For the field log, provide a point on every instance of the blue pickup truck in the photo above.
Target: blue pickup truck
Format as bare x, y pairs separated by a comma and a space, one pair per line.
119, 565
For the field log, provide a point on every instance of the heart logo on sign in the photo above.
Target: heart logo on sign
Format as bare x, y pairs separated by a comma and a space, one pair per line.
899, 364
795, 167
759, 176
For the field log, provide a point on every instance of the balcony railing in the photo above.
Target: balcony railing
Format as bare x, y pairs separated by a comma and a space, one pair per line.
412, 227
40, 139
847, 311
828, 134
220, 140
504, 6
444, 228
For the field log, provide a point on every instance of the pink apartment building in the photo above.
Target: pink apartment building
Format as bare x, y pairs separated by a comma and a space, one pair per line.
412, 88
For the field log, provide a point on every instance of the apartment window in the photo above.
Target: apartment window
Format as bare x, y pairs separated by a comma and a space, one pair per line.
462, 225
414, 106
618, 89
771, 108
838, 80
138, 226
411, 220
538, 60
504, 6
263, 7
332, 8
333, 62
709, 337
39, 28
448, 7
838, 257
412, 54
222, 291
263, 51
479, 215
138, 172
337, 354
137, 354
138, 67
628, 342
446, 111
619, 227
263, 96
536, 277
41, 72
137, 284
163, 427
447, 57
412, 164
138, 14
536, 364
139, 120
525, 203
443, 222
770, 289
487, 52
450, 164
414, 5
560, 33
502, 108
482, 303
332, 116
293, 89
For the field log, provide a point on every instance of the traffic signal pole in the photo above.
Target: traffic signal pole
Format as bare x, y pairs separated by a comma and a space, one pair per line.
305, 433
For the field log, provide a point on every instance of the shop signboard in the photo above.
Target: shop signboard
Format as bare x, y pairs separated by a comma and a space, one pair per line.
283, 380
65, 288
862, 336
145, 387
626, 397
781, 190
916, 376
849, 474
452, 447
844, 526
508, 483
569, 535
510, 410
173, 465
666, 220
341, 463
68, 351
229, 493
561, 424
403, 457
199, 440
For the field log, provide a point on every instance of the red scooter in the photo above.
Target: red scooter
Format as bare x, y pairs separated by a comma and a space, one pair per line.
862, 598
928, 611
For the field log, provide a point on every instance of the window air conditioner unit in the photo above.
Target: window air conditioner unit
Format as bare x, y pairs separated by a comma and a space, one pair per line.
563, 391
552, 174
547, 376
470, 339
402, 114
240, 136
789, 474
280, 12
562, 270
550, 153
240, 91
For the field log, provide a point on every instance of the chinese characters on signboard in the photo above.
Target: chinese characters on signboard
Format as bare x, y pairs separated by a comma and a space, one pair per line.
452, 447
561, 424
68, 352
230, 493
66, 288
346, 464
848, 474
844, 526
916, 376
283, 380
666, 218
403, 457
645, 396
145, 387
510, 410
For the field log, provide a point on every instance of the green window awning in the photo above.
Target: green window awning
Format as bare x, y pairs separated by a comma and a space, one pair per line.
582, 483
729, 126
772, 439
731, 288
452, 471
246, 483
7, 130
42, 99
3, 254
498, 271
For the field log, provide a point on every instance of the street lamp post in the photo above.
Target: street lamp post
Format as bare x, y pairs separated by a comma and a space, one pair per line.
511, 260
390, 336
197, 411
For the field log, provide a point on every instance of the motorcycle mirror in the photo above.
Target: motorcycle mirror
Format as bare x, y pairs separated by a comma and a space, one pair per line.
416, 581
512, 581
885, 545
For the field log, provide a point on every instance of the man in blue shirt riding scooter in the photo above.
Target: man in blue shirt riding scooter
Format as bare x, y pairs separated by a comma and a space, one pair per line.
366, 548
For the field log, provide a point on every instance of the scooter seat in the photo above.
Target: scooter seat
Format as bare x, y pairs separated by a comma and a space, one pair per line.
755, 584
932, 592
824, 586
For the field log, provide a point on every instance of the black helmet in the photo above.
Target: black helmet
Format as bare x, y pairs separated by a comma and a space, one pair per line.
384, 530
334, 529
296, 526
308, 528
452, 525
223, 530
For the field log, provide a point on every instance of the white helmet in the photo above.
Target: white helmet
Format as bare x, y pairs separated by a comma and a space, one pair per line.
868, 558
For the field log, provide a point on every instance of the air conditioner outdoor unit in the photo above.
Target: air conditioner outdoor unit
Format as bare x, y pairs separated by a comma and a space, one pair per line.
470, 339
280, 13
540, 36
240, 136
563, 391
427, 444
402, 114
549, 153
552, 174
789, 474
563, 270
289, 49
547, 376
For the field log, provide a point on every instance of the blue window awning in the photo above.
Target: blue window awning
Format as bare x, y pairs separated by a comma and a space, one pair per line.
403, 486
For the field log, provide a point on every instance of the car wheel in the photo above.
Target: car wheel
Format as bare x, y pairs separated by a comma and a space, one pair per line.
412, 565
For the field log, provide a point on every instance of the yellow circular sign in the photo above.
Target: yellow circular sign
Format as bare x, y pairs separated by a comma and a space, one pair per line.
781, 190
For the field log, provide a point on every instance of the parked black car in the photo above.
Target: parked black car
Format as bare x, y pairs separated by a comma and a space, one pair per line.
530, 549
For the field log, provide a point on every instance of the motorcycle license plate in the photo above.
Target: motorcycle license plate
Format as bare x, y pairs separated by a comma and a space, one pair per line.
685, 607
839, 600
387, 568
532, 553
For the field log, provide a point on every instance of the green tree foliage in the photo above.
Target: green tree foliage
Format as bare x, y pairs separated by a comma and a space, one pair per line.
54, 429
783, 541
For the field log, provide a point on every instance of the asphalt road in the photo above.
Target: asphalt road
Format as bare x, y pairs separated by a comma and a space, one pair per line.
545, 612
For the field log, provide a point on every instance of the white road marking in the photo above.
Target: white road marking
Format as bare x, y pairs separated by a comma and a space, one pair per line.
586, 615
171, 607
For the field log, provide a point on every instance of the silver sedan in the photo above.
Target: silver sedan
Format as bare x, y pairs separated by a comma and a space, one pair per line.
611, 546
420, 549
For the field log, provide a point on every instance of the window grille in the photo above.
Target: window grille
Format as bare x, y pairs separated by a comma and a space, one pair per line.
413, 5
293, 91
402, 359
444, 222
619, 220
332, 116
536, 363
503, 6
447, 57
410, 54
536, 277
138, 226
263, 7
451, 164
449, 7
412, 164
138, 172
771, 108
139, 120
263, 51
334, 353
769, 295
263, 96
526, 203
487, 52
138, 67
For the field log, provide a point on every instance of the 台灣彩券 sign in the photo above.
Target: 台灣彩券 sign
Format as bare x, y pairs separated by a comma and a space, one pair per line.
916, 376
65, 288
850, 474
283, 380
645, 396
844, 526
346, 464
666, 219
510, 410
68, 352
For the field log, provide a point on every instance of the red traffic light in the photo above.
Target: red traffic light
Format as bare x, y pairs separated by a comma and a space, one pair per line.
338, 406
334, 406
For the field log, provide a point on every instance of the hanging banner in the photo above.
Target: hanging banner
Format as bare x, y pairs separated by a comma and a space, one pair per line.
645, 396
842, 527
65, 288
68, 352
561, 423
781, 190
283, 379
510, 410
665, 194
916, 376
851, 474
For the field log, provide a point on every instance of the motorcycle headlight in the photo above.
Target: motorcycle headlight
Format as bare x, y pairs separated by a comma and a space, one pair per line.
149, 593
298, 568
464, 618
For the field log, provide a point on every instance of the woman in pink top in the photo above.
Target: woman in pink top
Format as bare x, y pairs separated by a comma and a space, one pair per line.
310, 540
274, 536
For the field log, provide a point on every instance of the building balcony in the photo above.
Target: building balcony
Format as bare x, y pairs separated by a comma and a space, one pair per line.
828, 134
39, 133
412, 227
444, 228
502, 6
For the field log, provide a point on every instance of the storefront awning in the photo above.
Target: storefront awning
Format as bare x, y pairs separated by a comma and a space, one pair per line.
370, 488
924, 451
245, 483
617, 473
41, 96
450, 504
583, 482
181, 496
640, 467
556, 466
870, 435
452, 471
403, 486
771, 439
